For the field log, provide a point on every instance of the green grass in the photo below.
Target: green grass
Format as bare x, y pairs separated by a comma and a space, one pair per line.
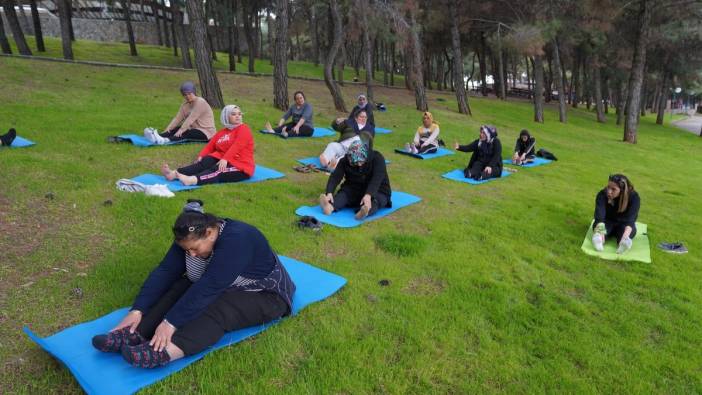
153, 55
488, 292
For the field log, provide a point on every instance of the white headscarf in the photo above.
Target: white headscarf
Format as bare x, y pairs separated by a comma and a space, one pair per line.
226, 112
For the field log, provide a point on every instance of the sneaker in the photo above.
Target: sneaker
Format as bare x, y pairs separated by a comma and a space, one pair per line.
624, 245
674, 248
113, 341
149, 135
7, 138
158, 139
327, 207
362, 213
144, 356
408, 147
158, 190
309, 222
598, 241
284, 134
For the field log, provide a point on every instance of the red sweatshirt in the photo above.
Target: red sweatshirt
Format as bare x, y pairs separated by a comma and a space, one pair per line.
236, 146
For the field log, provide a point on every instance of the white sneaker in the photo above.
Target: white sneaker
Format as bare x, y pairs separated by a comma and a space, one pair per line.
158, 139
624, 245
408, 148
158, 190
598, 241
149, 135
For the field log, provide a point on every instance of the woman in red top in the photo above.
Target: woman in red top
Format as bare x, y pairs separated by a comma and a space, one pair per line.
228, 157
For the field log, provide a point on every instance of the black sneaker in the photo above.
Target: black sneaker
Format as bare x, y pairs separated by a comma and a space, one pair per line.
674, 248
309, 223
8, 137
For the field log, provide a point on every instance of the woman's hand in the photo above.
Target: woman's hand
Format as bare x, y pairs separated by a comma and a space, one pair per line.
455, 145
131, 320
488, 170
366, 201
523, 157
179, 133
296, 129
330, 198
162, 336
222, 164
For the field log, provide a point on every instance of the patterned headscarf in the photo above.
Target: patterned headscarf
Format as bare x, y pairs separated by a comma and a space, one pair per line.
490, 132
226, 112
357, 152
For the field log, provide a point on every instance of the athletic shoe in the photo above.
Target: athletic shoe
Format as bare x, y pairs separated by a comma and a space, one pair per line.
158, 139
598, 241
113, 341
9, 137
408, 147
674, 248
149, 135
158, 190
326, 205
624, 245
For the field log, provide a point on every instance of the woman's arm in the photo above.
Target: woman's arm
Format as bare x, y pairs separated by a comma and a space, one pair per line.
632, 211
468, 148
211, 145
432, 138
600, 207
199, 109
496, 159
337, 175
379, 174
179, 117
160, 280
242, 140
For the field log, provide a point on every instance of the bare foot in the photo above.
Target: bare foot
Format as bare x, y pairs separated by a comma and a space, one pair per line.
269, 128
332, 164
186, 180
167, 172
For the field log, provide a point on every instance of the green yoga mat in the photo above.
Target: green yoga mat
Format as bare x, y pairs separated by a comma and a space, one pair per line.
640, 249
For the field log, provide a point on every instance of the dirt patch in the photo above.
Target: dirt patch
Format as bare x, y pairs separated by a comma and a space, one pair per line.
425, 286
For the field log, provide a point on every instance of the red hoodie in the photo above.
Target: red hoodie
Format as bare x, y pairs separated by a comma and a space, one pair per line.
236, 146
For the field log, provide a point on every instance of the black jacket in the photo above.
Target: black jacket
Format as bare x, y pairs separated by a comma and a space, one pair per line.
489, 154
371, 178
349, 128
605, 212
522, 146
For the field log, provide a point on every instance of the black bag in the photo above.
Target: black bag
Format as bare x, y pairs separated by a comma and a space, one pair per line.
542, 153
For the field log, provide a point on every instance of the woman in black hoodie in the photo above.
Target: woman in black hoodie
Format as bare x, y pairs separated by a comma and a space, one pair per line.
524, 148
366, 183
486, 161
616, 209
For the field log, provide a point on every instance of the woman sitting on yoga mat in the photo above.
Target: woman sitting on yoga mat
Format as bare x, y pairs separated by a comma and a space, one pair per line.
301, 123
7, 138
524, 149
486, 161
194, 120
228, 157
219, 275
358, 130
362, 105
426, 138
366, 183
616, 210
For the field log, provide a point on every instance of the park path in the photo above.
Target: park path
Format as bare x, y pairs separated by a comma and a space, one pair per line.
692, 124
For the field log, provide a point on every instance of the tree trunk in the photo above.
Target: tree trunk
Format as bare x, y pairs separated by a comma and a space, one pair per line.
37, 26
280, 56
663, 98
180, 31
538, 89
482, 54
15, 28
174, 32
549, 79
126, 9
331, 55
4, 42
203, 59
69, 10
631, 123
312, 21
65, 21
340, 64
362, 6
232, 36
420, 96
154, 8
528, 73
562, 108
575, 79
500, 64
164, 21
393, 65
458, 77
250, 9
621, 92
597, 82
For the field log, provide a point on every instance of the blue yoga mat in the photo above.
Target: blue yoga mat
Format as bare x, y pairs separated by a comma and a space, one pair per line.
318, 132
345, 218
20, 142
107, 373
314, 160
439, 153
537, 162
382, 131
260, 174
457, 175
141, 141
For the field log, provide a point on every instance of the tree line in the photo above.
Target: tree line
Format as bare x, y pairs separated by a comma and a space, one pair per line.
608, 55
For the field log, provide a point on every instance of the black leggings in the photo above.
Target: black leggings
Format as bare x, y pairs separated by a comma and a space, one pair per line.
190, 134
427, 149
232, 310
616, 229
347, 197
305, 131
207, 172
477, 171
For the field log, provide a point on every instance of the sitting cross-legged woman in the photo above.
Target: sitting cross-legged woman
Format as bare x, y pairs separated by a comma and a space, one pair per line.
426, 138
301, 124
524, 149
228, 157
616, 209
366, 184
219, 275
486, 161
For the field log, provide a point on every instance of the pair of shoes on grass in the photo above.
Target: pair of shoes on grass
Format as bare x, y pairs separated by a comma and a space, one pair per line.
307, 168
152, 135
308, 222
8, 138
673, 248
411, 148
135, 349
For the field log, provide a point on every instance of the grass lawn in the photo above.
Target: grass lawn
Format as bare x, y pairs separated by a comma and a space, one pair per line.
153, 55
489, 291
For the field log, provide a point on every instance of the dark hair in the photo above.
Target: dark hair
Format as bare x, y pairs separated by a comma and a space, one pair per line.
361, 111
193, 222
625, 190
300, 92
524, 132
